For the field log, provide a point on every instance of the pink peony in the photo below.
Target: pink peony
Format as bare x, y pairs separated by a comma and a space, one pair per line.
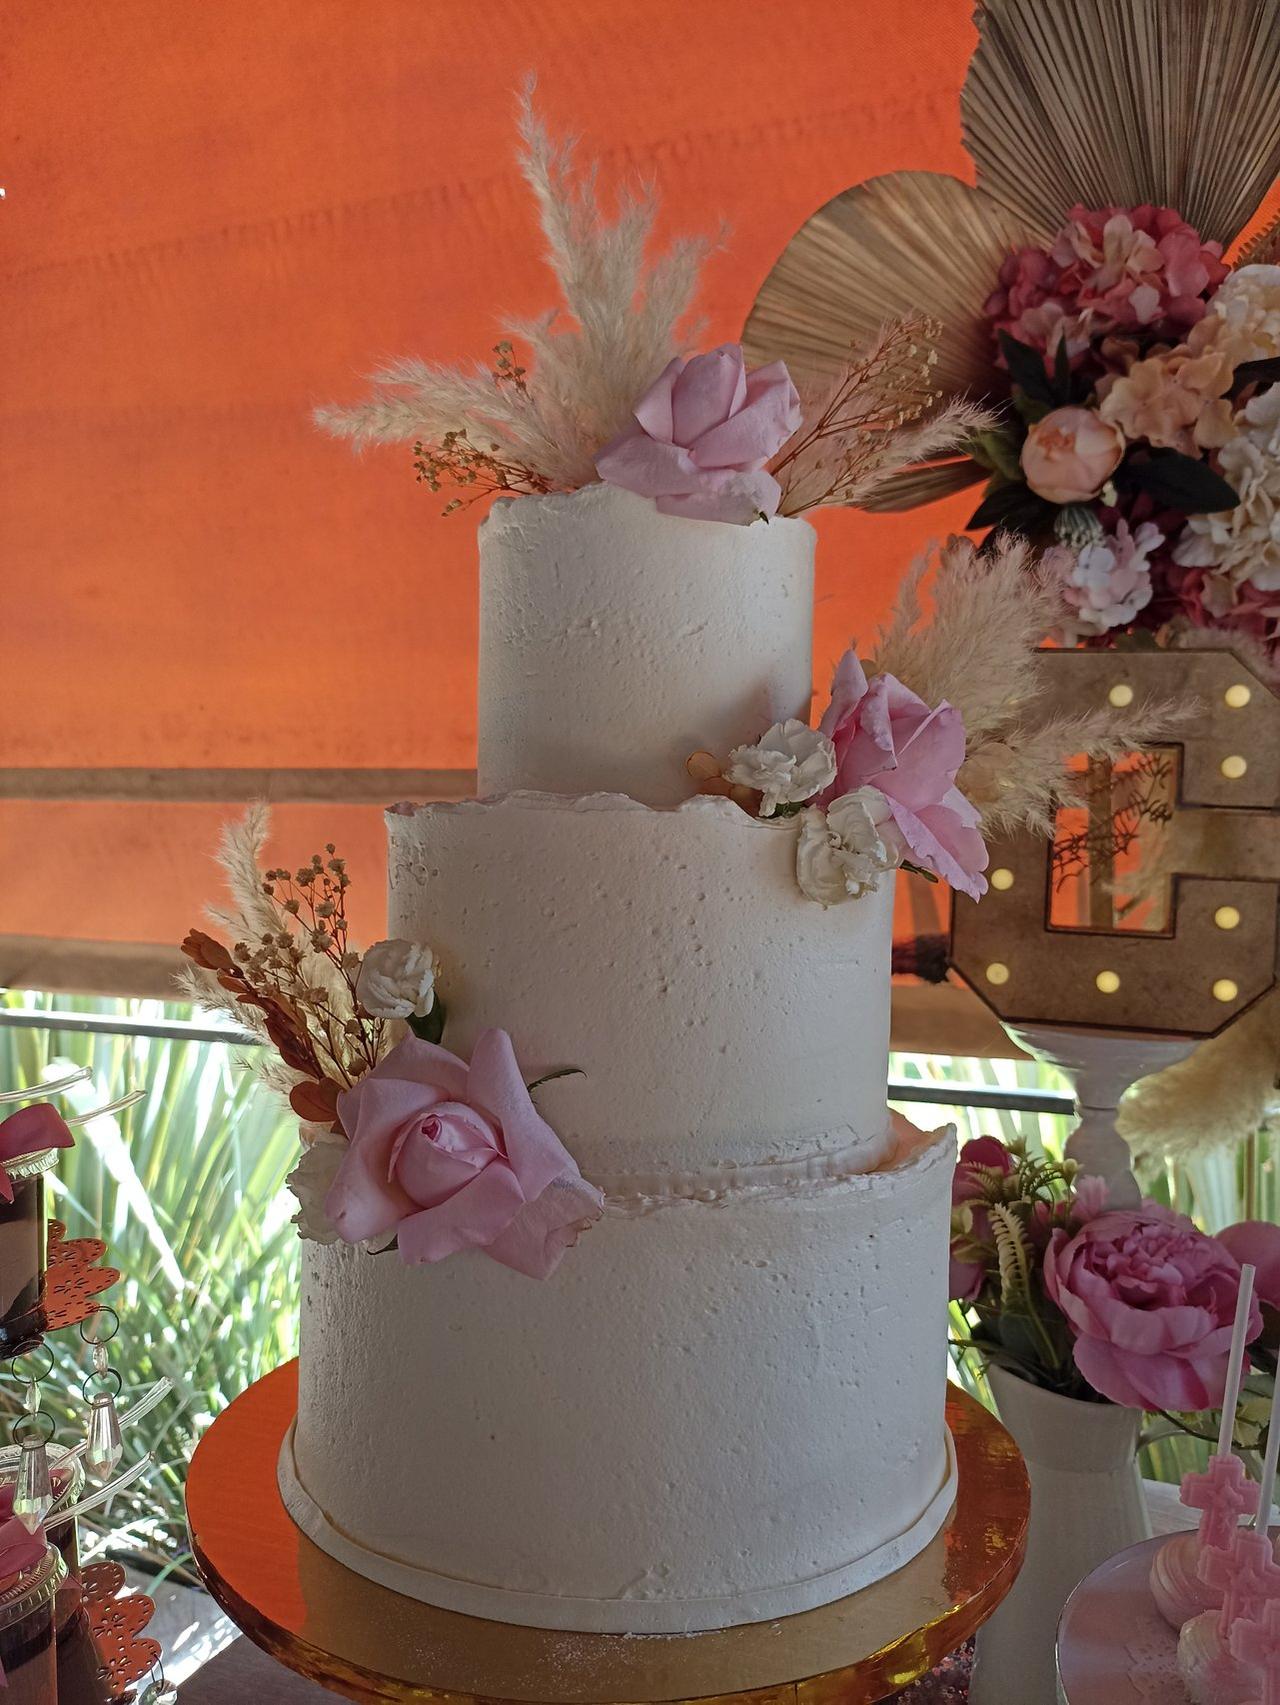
1150, 1302
887, 738
450, 1156
703, 432
1257, 1241
989, 1153
1071, 454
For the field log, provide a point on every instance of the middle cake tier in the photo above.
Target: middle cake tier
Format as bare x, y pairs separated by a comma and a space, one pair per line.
717, 1018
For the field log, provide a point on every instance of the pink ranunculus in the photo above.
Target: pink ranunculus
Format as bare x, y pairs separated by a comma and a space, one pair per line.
703, 432
1071, 454
1257, 1241
888, 738
450, 1157
967, 1185
1150, 1302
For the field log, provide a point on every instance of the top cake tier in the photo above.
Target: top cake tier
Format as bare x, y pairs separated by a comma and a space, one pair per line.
615, 641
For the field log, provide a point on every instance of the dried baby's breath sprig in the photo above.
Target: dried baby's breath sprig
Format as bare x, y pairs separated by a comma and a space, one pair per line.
542, 423
291, 970
876, 417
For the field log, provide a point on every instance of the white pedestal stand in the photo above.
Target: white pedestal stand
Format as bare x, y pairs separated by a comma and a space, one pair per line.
1101, 1065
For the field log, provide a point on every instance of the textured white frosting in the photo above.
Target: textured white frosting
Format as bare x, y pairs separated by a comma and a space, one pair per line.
703, 1418
615, 641
718, 1017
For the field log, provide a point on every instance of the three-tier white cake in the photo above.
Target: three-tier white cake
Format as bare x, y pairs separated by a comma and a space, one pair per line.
727, 1403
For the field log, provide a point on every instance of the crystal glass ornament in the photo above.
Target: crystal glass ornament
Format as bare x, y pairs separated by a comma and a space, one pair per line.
33, 1491
103, 1444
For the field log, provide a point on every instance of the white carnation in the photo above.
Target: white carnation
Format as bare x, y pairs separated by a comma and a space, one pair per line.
842, 851
1247, 302
787, 765
310, 1181
397, 980
1243, 544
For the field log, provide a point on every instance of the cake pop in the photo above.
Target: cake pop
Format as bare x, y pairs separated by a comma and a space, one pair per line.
1247, 1576
1222, 1494
1256, 1642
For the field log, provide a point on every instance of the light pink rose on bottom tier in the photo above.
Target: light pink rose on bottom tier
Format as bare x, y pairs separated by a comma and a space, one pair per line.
451, 1157
1150, 1301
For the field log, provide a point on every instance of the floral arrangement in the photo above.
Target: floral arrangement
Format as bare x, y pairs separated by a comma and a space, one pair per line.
1127, 1305
1142, 441
405, 1145
707, 439
934, 744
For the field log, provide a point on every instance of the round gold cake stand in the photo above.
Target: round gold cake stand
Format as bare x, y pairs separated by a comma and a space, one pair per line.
368, 1643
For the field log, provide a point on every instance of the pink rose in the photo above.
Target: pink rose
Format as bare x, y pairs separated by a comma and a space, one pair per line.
1150, 1302
1071, 454
1258, 1242
967, 1185
704, 430
887, 738
450, 1156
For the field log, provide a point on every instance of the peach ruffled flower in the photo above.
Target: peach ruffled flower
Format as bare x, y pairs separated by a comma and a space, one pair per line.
1071, 454
1175, 399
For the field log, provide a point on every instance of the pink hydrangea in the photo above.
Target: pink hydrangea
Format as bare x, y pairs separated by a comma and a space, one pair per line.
886, 737
1150, 1301
1109, 269
1106, 583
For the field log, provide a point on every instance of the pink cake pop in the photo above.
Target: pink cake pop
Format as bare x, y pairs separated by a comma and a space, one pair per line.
1248, 1577
1222, 1494
1257, 1643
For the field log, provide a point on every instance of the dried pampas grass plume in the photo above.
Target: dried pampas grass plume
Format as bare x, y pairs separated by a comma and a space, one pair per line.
990, 610
1216, 1098
539, 426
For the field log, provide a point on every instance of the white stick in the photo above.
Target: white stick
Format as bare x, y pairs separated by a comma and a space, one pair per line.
1267, 1485
1235, 1362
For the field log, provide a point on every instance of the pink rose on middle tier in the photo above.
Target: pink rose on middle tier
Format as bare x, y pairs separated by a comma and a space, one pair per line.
1070, 454
888, 738
1150, 1301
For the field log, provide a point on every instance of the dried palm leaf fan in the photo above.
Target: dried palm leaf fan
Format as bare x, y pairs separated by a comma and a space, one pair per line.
1099, 102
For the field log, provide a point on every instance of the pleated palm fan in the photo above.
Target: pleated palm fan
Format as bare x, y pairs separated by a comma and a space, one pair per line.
1066, 102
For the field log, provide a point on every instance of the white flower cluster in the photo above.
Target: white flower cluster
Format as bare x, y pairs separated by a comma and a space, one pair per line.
311, 1178
397, 979
843, 851
1243, 544
1247, 303
788, 765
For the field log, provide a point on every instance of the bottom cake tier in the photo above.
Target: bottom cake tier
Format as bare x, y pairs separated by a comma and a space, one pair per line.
716, 1411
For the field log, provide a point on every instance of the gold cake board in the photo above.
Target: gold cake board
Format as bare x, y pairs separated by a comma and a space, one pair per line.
368, 1643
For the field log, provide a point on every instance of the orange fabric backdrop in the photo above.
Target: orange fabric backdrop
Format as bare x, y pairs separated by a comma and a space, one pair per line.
219, 215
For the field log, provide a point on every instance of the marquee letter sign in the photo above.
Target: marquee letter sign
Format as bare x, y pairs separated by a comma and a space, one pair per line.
1216, 952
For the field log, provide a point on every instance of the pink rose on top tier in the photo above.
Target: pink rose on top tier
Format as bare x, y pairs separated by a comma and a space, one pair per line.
451, 1157
703, 432
1071, 454
1150, 1302
887, 738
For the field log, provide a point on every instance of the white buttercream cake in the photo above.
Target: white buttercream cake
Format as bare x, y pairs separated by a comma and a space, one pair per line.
726, 1404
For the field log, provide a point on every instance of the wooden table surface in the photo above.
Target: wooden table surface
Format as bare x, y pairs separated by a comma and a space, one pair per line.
241, 1673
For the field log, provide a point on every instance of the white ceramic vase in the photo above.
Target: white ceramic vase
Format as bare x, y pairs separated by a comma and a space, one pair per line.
1086, 1504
